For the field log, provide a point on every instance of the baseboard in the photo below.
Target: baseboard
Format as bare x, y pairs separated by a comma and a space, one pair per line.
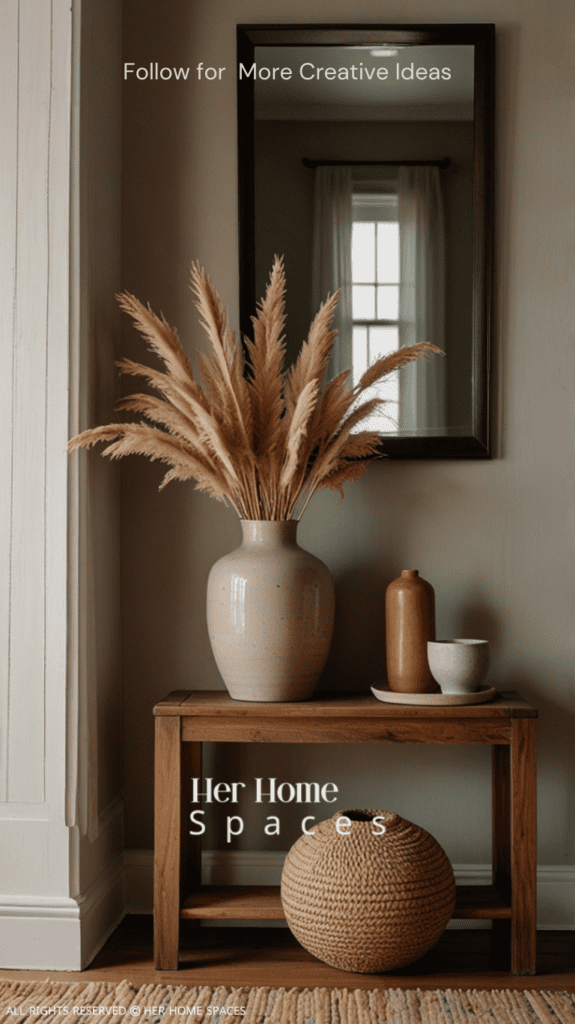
40, 933
555, 884
56, 933
102, 907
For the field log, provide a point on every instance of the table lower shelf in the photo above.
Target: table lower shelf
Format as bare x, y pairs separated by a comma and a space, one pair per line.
262, 902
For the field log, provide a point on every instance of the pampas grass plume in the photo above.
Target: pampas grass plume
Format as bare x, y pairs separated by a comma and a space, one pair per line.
259, 439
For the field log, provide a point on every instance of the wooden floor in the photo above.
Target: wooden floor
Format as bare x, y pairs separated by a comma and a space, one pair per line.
272, 957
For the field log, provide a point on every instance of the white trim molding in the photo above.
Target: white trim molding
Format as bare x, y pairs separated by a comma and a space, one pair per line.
58, 932
35, 70
61, 892
555, 884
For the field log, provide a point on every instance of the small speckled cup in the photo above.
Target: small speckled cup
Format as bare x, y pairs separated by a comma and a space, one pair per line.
459, 666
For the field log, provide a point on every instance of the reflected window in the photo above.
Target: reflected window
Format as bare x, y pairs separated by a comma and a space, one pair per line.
375, 265
238, 603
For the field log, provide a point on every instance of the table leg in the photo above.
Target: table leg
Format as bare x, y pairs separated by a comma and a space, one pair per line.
191, 845
523, 846
167, 841
501, 804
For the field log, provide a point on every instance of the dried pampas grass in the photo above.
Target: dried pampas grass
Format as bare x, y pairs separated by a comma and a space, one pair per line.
252, 436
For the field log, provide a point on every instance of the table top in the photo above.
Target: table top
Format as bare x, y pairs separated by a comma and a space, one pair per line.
218, 703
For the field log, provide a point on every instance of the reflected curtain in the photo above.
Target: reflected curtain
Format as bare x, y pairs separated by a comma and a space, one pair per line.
331, 264
422, 298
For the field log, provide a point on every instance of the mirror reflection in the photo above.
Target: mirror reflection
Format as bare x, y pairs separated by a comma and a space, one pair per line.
364, 180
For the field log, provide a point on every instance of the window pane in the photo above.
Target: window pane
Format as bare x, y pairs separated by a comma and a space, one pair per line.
369, 343
388, 302
359, 353
382, 341
388, 252
363, 302
363, 252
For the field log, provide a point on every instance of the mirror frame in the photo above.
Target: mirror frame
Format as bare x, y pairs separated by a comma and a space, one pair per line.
482, 37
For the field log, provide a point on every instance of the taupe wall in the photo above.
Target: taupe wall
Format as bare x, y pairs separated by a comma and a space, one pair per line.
495, 538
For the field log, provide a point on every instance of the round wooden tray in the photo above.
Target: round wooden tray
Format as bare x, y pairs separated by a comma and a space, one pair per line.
481, 696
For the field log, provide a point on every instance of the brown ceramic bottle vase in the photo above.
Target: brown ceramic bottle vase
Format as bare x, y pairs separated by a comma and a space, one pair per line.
409, 624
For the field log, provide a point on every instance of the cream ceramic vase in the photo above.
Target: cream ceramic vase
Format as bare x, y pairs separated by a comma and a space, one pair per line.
270, 608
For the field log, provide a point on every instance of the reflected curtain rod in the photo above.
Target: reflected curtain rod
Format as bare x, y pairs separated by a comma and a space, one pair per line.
442, 164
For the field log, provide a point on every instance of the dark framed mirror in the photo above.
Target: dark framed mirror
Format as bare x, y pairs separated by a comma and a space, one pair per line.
365, 157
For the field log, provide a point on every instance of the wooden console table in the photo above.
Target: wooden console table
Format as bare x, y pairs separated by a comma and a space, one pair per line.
186, 719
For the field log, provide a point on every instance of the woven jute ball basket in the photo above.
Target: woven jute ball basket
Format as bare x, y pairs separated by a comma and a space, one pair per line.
367, 902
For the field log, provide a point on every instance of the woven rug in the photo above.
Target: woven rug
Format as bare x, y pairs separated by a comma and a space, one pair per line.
160, 1004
